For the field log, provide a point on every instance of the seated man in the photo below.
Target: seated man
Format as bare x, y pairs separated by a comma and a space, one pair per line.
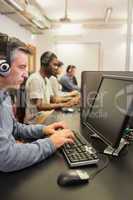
15, 155
56, 86
40, 96
69, 81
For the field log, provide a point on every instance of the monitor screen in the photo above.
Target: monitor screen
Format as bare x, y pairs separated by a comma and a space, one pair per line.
111, 108
90, 81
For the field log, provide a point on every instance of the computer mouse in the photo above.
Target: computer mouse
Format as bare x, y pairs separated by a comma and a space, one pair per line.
73, 177
67, 110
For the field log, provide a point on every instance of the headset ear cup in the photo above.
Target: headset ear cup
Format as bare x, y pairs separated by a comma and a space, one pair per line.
47, 58
4, 68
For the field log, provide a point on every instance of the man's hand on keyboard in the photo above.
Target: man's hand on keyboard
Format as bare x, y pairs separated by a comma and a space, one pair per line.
62, 137
52, 128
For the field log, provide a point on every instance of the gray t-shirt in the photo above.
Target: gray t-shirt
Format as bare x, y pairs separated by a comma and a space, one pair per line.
56, 87
37, 87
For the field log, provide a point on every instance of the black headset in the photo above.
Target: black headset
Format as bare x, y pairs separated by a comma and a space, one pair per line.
46, 58
4, 55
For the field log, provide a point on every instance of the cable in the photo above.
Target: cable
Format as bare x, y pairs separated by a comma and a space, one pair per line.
100, 169
128, 135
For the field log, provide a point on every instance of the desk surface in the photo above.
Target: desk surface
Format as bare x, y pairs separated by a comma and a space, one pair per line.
39, 182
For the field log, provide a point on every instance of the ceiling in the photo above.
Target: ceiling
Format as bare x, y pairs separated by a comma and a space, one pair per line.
88, 12
84, 9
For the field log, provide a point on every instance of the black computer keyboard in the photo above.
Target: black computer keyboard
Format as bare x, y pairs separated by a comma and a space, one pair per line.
80, 153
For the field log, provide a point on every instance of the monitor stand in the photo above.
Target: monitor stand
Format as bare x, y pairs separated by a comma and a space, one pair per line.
115, 151
109, 150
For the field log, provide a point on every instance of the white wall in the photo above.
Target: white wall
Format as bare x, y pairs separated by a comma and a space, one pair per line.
85, 56
11, 28
45, 42
131, 63
112, 42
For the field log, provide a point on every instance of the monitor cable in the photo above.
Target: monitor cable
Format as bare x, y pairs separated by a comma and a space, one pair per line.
104, 166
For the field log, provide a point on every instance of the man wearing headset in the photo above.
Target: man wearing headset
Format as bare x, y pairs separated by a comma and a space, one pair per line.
15, 156
40, 96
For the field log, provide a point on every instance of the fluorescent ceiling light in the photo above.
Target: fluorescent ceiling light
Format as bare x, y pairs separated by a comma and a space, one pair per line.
70, 29
107, 15
37, 23
37, 17
16, 5
32, 10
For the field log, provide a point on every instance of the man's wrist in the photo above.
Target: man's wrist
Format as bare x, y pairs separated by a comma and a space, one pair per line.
44, 130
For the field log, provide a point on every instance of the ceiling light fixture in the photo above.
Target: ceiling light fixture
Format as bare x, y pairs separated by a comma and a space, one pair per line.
38, 24
37, 17
108, 14
15, 5
69, 29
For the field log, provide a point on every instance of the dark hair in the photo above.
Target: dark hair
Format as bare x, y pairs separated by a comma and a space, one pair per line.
70, 67
46, 58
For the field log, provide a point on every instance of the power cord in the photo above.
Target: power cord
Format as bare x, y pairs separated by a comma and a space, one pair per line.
127, 135
106, 163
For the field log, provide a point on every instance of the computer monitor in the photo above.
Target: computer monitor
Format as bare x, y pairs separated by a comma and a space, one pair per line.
111, 109
90, 81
